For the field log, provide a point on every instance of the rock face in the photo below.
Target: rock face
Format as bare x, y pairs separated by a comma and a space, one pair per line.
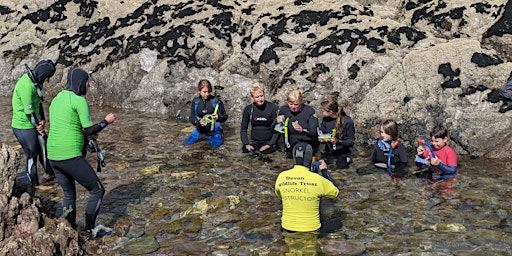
418, 62
23, 222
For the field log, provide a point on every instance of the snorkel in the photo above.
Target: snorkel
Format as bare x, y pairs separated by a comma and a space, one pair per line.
390, 154
286, 142
333, 135
424, 142
94, 147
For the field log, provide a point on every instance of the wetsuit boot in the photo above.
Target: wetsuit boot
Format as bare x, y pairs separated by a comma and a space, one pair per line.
90, 220
71, 217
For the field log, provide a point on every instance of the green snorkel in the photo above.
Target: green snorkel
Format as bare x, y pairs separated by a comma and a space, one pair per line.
213, 119
333, 135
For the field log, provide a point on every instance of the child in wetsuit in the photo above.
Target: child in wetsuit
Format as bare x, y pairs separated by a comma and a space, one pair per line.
260, 115
206, 114
389, 153
442, 163
337, 132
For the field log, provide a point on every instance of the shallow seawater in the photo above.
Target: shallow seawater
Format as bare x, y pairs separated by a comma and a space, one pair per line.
166, 199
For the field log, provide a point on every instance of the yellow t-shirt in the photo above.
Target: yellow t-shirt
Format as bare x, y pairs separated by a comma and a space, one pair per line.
300, 191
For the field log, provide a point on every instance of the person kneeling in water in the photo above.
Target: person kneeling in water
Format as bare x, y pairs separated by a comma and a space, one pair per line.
300, 191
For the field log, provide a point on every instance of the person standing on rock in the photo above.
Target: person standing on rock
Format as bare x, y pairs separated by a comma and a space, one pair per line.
340, 131
300, 191
206, 114
260, 115
28, 120
298, 121
71, 126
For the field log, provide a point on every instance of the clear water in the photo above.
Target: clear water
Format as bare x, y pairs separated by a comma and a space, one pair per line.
166, 199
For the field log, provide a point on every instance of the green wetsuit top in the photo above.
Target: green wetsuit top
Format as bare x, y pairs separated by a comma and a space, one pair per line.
25, 101
300, 191
69, 115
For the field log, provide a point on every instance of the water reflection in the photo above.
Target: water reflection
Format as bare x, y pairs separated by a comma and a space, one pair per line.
166, 199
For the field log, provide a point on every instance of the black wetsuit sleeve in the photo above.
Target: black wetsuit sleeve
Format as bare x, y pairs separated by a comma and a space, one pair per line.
245, 125
402, 166
193, 118
223, 116
41, 111
275, 134
312, 125
373, 156
349, 134
96, 128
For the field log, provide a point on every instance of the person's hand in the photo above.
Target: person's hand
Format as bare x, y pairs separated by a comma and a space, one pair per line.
323, 164
435, 161
334, 140
42, 123
215, 116
420, 149
297, 127
249, 147
264, 147
280, 118
110, 118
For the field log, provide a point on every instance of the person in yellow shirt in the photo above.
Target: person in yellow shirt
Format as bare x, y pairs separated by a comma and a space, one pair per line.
300, 191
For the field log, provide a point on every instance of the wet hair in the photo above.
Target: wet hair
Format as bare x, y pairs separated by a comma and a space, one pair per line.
303, 154
294, 95
257, 87
332, 105
390, 127
204, 83
439, 132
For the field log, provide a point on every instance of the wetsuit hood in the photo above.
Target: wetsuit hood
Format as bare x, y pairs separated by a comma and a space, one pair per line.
77, 81
43, 70
303, 154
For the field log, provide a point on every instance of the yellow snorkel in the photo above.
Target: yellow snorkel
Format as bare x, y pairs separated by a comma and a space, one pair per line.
333, 135
286, 142
213, 119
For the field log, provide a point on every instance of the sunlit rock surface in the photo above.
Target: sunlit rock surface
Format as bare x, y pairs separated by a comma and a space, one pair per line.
419, 62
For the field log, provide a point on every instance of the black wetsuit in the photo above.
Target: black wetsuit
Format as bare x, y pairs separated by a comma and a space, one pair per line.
262, 132
399, 158
306, 117
200, 108
347, 140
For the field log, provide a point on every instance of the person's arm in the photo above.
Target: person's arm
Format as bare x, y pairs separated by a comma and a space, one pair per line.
41, 112
95, 129
244, 125
450, 169
373, 156
312, 128
275, 134
193, 118
349, 135
402, 166
326, 173
223, 116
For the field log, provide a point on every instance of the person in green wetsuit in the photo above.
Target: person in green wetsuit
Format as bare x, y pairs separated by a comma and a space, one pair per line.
71, 125
300, 191
28, 120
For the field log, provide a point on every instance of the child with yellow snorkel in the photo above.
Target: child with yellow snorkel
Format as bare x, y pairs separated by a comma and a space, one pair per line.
206, 113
